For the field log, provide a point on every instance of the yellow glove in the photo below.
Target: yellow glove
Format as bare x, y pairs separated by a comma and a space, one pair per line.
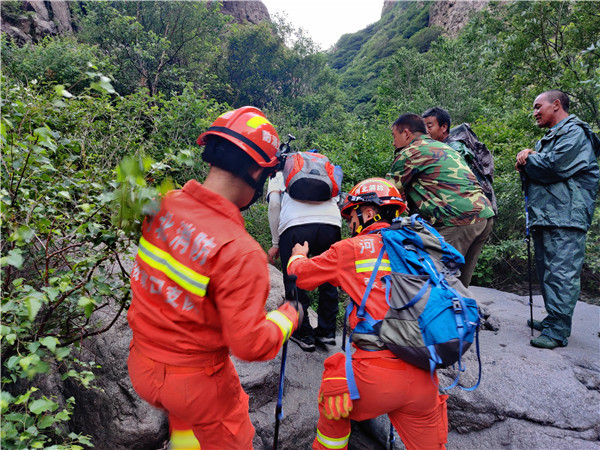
337, 406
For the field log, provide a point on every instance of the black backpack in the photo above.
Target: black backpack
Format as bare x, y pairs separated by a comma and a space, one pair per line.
482, 164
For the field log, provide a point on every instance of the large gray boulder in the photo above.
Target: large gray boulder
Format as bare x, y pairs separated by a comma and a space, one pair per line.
528, 398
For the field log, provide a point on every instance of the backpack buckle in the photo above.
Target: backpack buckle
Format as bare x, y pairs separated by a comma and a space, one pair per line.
456, 305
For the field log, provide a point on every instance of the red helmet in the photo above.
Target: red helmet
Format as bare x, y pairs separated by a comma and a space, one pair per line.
377, 191
248, 128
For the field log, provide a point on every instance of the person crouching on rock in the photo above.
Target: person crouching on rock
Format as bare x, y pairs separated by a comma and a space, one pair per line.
386, 384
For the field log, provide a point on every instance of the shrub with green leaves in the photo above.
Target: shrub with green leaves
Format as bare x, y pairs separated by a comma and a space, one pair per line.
67, 223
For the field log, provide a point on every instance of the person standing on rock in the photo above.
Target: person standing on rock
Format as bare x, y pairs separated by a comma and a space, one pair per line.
440, 186
292, 221
562, 176
199, 287
387, 384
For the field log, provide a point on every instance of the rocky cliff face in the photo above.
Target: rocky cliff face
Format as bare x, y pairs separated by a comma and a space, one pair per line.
252, 11
36, 19
451, 15
33, 19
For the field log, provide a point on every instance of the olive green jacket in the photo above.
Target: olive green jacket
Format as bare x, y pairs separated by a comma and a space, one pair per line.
563, 176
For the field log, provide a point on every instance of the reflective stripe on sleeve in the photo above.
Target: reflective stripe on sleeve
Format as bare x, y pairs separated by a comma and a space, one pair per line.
184, 276
367, 265
294, 258
332, 442
184, 440
284, 324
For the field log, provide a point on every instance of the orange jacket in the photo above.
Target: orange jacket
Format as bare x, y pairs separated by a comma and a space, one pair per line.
346, 264
200, 283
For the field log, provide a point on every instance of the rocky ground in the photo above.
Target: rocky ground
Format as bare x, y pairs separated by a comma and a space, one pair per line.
528, 398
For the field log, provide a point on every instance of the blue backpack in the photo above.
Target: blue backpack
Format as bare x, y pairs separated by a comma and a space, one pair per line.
432, 318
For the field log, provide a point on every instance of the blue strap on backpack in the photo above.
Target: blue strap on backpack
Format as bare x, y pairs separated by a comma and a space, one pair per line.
413, 261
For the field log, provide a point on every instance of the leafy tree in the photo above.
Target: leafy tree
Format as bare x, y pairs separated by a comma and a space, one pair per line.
536, 46
66, 230
156, 45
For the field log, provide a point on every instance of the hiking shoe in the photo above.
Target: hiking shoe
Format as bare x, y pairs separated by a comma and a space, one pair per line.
325, 340
537, 324
546, 342
306, 343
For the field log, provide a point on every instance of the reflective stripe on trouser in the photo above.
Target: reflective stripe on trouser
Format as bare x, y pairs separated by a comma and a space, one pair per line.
183, 440
210, 401
330, 442
559, 255
401, 390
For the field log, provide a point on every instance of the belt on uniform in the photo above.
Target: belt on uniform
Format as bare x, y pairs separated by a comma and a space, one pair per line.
210, 364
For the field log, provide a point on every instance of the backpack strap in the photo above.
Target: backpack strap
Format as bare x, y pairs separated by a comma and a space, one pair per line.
350, 380
363, 303
361, 314
461, 323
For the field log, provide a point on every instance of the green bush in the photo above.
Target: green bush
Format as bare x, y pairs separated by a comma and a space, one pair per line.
61, 60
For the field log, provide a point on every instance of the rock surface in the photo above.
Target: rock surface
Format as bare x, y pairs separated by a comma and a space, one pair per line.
528, 397
253, 11
48, 18
453, 15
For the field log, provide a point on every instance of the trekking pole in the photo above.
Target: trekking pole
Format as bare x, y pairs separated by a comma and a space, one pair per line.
525, 184
279, 407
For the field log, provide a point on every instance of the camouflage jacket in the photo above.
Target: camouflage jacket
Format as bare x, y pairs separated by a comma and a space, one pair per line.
438, 184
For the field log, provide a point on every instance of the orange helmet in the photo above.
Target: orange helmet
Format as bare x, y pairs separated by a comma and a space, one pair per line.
248, 128
377, 191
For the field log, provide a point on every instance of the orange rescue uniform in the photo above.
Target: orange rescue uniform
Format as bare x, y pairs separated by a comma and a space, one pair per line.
199, 287
387, 385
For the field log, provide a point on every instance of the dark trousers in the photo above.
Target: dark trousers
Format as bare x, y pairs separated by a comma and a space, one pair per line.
319, 237
559, 255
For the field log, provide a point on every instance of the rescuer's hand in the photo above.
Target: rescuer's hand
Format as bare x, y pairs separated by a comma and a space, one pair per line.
299, 311
337, 406
300, 249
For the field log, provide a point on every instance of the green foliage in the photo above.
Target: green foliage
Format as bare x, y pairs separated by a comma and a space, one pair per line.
12, 11
61, 60
157, 45
61, 253
361, 57
536, 46
67, 219
58, 263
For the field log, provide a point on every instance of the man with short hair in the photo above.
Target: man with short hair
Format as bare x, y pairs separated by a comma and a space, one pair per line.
562, 175
199, 286
437, 121
441, 187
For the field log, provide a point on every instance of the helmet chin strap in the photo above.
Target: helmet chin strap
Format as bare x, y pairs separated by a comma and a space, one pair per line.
256, 185
362, 224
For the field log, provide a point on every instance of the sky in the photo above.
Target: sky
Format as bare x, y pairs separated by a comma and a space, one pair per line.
325, 21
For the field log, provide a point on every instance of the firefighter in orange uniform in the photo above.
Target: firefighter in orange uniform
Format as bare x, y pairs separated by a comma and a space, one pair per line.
386, 384
199, 286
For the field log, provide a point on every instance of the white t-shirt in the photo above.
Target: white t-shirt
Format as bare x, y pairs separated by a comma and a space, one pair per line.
295, 212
